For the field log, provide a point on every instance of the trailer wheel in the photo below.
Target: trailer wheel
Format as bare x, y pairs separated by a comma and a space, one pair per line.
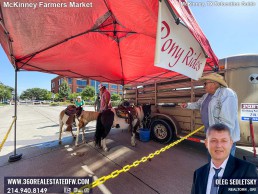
161, 131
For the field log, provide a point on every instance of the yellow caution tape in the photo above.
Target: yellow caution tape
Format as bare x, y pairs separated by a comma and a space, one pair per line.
5, 137
134, 164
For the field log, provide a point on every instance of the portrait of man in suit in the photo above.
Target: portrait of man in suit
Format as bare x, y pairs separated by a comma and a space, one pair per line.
222, 165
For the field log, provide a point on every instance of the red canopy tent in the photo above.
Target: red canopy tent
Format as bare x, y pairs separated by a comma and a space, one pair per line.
106, 40
109, 41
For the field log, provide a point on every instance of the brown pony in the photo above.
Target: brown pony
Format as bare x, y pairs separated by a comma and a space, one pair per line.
81, 122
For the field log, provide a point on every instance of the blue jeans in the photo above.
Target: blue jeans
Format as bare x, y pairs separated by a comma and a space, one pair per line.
232, 152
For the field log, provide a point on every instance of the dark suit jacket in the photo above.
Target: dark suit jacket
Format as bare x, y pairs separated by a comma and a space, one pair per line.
235, 168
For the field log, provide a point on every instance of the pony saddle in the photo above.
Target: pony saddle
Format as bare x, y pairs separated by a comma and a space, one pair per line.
128, 113
73, 110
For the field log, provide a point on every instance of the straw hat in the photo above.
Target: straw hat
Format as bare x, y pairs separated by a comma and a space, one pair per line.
79, 97
100, 86
215, 77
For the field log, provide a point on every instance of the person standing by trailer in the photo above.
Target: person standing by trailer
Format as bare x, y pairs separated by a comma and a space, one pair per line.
105, 99
218, 105
97, 103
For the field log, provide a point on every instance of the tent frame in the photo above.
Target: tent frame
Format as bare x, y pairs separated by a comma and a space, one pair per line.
15, 157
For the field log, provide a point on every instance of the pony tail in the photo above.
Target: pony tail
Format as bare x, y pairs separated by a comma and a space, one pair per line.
99, 131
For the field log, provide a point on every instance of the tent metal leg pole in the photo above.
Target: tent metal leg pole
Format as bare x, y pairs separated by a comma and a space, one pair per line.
15, 157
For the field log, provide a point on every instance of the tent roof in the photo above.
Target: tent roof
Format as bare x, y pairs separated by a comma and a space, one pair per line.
112, 41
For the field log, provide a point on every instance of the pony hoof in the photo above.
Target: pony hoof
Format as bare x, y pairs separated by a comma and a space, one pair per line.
105, 149
97, 146
60, 142
133, 143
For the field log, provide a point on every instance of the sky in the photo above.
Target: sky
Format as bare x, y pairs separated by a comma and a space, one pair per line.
231, 30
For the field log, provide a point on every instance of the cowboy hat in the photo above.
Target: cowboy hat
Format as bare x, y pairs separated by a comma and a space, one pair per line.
100, 86
215, 77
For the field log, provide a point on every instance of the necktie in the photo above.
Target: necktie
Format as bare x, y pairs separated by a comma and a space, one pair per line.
214, 188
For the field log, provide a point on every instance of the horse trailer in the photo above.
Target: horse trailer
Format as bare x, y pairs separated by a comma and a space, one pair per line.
168, 120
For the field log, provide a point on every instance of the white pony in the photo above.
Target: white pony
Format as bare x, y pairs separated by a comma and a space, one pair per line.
81, 122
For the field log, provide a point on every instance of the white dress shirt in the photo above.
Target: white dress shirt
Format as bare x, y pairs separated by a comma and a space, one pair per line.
212, 173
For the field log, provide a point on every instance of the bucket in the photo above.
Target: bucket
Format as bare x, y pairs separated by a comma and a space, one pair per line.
144, 134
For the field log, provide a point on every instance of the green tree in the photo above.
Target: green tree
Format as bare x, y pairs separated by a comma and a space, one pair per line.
115, 97
26, 94
36, 94
5, 92
64, 90
88, 92
48, 96
73, 96
56, 98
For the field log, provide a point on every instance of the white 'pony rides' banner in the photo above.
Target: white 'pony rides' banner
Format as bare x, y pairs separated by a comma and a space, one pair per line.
176, 48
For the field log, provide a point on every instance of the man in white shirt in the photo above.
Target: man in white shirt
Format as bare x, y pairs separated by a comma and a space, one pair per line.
218, 105
223, 164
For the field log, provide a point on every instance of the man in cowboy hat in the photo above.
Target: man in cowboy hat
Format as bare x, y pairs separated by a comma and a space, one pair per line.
218, 105
105, 100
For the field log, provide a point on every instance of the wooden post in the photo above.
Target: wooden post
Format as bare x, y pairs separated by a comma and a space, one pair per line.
155, 86
192, 112
136, 96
